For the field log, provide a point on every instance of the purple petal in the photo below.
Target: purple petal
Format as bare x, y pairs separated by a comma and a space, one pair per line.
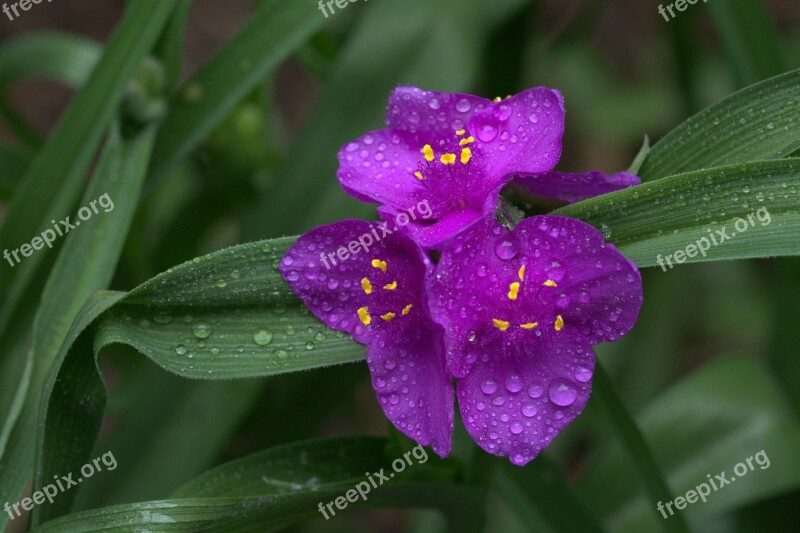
573, 283
379, 167
575, 187
333, 288
429, 115
431, 235
522, 134
409, 378
516, 402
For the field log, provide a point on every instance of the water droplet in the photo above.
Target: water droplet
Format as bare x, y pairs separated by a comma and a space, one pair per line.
201, 330
506, 249
535, 391
583, 374
562, 393
162, 318
180, 349
463, 105
489, 386
516, 428
263, 337
221, 283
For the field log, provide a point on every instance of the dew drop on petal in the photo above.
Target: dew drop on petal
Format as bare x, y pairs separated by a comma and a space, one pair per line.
562, 393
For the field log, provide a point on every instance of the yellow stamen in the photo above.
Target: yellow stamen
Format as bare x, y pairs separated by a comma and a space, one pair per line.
391, 286
388, 316
377, 263
418, 174
559, 323
427, 151
366, 285
466, 155
461, 132
502, 325
497, 99
363, 315
550, 283
530, 325
513, 291
468, 140
407, 309
522, 273
448, 159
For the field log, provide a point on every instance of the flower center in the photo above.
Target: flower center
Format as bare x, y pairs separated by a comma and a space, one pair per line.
370, 286
515, 288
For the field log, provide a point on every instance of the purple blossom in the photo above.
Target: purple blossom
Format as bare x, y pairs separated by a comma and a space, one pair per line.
458, 151
521, 310
377, 297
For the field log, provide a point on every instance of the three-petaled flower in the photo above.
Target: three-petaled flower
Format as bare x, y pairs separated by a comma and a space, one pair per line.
457, 151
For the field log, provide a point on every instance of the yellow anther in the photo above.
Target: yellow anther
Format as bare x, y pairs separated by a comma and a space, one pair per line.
418, 174
466, 155
377, 263
522, 273
366, 285
550, 283
468, 140
461, 132
391, 286
363, 315
388, 316
427, 151
559, 323
513, 291
502, 325
448, 159
407, 309
529, 325
497, 99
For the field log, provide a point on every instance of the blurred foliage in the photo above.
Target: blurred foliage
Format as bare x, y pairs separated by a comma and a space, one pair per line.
243, 148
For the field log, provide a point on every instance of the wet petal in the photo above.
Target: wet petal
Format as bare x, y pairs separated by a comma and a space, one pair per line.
515, 403
340, 271
409, 378
379, 167
430, 115
575, 187
522, 134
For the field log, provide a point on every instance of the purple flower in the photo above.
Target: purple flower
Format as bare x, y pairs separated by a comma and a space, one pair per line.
521, 310
457, 151
376, 295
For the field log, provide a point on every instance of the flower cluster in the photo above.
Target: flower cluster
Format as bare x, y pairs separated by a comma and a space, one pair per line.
505, 318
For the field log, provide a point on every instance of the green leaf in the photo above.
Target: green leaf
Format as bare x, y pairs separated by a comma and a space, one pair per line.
718, 417
759, 122
54, 56
54, 180
86, 263
749, 38
667, 215
285, 485
637, 451
273, 32
234, 301
13, 163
